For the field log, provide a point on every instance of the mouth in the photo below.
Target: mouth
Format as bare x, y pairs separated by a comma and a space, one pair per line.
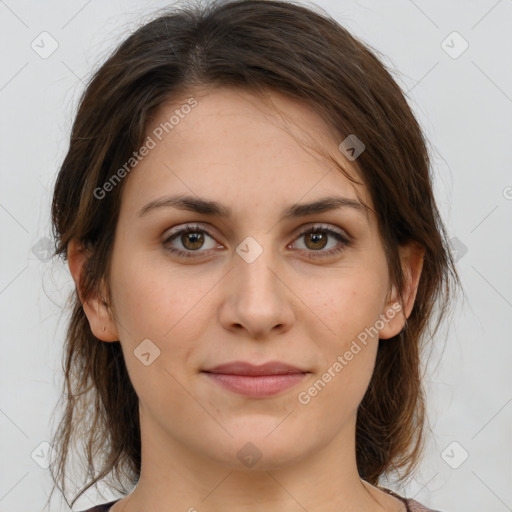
254, 381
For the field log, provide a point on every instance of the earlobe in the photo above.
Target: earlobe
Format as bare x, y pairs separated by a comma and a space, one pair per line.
95, 307
412, 258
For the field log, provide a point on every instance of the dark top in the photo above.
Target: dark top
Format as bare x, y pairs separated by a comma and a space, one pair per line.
412, 505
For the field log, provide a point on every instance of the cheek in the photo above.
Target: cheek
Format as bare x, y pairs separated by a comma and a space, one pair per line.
347, 355
347, 305
172, 309
157, 316
154, 299
346, 337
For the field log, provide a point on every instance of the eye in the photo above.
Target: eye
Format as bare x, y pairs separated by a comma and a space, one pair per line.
192, 239
316, 239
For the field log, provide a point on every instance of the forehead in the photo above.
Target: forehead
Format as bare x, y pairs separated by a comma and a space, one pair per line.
235, 145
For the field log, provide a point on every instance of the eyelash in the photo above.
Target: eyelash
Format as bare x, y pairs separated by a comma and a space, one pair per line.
311, 229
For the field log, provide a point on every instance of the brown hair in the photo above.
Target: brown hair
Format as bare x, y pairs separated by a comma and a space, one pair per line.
261, 45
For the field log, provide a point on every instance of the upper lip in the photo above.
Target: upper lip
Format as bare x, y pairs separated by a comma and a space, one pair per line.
245, 368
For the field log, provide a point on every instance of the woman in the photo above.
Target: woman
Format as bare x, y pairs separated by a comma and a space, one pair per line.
246, 209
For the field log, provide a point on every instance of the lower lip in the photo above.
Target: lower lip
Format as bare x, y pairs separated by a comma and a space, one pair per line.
256, 386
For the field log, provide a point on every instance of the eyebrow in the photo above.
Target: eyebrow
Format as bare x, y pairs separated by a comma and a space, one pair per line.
208, 207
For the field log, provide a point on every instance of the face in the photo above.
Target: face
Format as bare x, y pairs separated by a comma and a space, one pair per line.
262, 282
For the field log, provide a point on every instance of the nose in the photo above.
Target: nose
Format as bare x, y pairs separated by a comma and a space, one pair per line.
256, 299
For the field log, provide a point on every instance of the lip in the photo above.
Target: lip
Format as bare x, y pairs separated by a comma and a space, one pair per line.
246, 368
257, 381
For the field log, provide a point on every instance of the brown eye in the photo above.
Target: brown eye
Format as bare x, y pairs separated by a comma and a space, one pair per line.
316, 241
317, 238
192, 241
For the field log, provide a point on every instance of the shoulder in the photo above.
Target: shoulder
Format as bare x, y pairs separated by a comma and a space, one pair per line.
414, 506
411, 504
101, 508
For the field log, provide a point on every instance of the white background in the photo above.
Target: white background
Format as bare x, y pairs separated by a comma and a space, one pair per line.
464, 105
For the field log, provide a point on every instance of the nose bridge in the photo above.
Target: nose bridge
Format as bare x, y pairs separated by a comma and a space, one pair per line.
255, 267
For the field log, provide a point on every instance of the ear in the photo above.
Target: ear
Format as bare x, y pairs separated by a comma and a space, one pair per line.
95, 308
395, 313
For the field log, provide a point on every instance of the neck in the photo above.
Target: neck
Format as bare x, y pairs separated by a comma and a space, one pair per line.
173, 477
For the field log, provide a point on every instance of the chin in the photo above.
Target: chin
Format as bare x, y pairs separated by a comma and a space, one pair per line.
261, 447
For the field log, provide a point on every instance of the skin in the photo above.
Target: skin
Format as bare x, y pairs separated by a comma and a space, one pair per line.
215, 307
